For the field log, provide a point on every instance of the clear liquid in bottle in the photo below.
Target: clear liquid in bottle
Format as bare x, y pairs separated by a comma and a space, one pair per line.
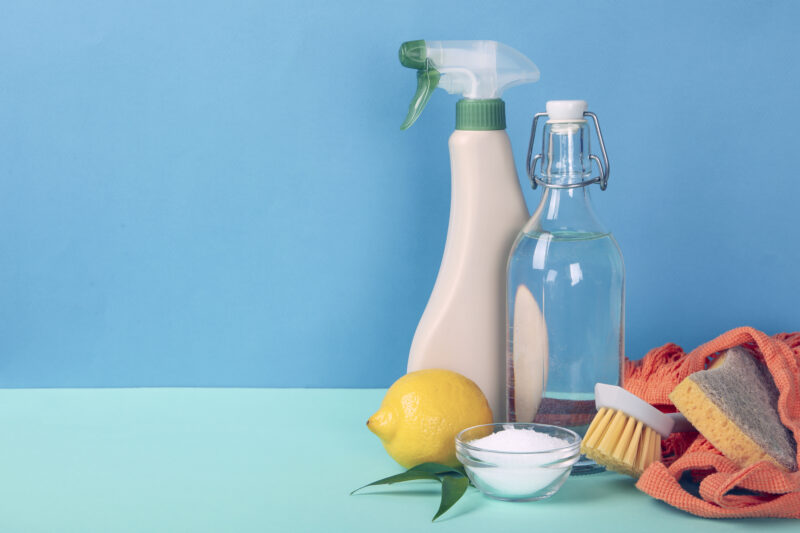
565, 297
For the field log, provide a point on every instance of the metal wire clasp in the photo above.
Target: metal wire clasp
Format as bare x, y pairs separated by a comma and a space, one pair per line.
603, 167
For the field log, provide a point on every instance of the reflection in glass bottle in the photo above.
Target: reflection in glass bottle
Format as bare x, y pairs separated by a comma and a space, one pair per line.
565, 295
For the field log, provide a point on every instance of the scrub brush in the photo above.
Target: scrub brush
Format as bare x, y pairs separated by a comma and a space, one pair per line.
625, 435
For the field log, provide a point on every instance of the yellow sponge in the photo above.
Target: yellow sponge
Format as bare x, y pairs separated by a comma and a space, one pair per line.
734, 405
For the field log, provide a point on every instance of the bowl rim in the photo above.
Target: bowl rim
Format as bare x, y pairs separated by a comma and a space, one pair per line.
532, 425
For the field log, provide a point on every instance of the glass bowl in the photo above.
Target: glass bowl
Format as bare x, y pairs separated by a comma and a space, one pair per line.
517, 476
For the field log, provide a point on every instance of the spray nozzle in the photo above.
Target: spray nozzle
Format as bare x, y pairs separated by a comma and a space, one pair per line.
478, 70
413, 54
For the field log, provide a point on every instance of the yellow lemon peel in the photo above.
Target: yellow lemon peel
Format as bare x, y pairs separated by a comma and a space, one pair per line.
423, 412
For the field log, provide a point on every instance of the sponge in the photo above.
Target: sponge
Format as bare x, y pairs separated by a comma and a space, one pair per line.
734, 405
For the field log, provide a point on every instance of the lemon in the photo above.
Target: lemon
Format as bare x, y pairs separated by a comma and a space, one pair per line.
422, 413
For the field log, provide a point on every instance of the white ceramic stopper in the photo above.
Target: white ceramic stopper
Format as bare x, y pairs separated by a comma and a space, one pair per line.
566, 110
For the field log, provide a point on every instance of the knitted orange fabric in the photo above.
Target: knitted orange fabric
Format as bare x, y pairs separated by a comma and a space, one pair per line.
772, 492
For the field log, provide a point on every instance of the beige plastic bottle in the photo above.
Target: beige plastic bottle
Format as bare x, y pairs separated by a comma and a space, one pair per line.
463, 326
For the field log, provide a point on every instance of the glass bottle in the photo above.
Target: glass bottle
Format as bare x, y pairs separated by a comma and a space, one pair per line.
565, 313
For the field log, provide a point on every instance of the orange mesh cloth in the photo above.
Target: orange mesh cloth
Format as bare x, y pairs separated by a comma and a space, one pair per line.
769, 491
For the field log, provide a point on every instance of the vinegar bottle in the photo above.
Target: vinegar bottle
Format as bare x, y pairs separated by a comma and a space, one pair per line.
565, 291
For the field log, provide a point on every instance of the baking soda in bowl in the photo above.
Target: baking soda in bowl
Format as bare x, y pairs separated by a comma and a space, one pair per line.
518, 461
511, 439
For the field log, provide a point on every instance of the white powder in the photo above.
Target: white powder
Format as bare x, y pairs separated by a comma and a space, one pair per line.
511, 439
520, 475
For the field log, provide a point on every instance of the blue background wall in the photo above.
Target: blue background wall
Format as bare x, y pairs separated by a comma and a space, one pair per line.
218, 193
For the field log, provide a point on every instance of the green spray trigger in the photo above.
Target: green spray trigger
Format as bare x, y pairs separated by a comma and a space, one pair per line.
427, 80
413, 54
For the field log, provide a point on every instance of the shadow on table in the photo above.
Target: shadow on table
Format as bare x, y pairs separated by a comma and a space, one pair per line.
574, 489
433, 491
587, 488
581, 488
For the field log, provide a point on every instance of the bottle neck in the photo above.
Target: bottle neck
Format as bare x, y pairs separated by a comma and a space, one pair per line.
565, 211
565, 153
565, 161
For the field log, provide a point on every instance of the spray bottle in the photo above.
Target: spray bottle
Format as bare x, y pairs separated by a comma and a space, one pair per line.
463, 326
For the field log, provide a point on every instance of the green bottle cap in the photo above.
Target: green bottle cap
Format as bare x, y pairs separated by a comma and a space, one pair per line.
480, 115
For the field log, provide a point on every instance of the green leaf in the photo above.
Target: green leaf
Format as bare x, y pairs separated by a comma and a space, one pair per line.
397, 478
452, 489
453, 479
438, 469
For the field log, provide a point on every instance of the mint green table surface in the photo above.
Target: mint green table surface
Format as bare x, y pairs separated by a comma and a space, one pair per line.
241, 460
